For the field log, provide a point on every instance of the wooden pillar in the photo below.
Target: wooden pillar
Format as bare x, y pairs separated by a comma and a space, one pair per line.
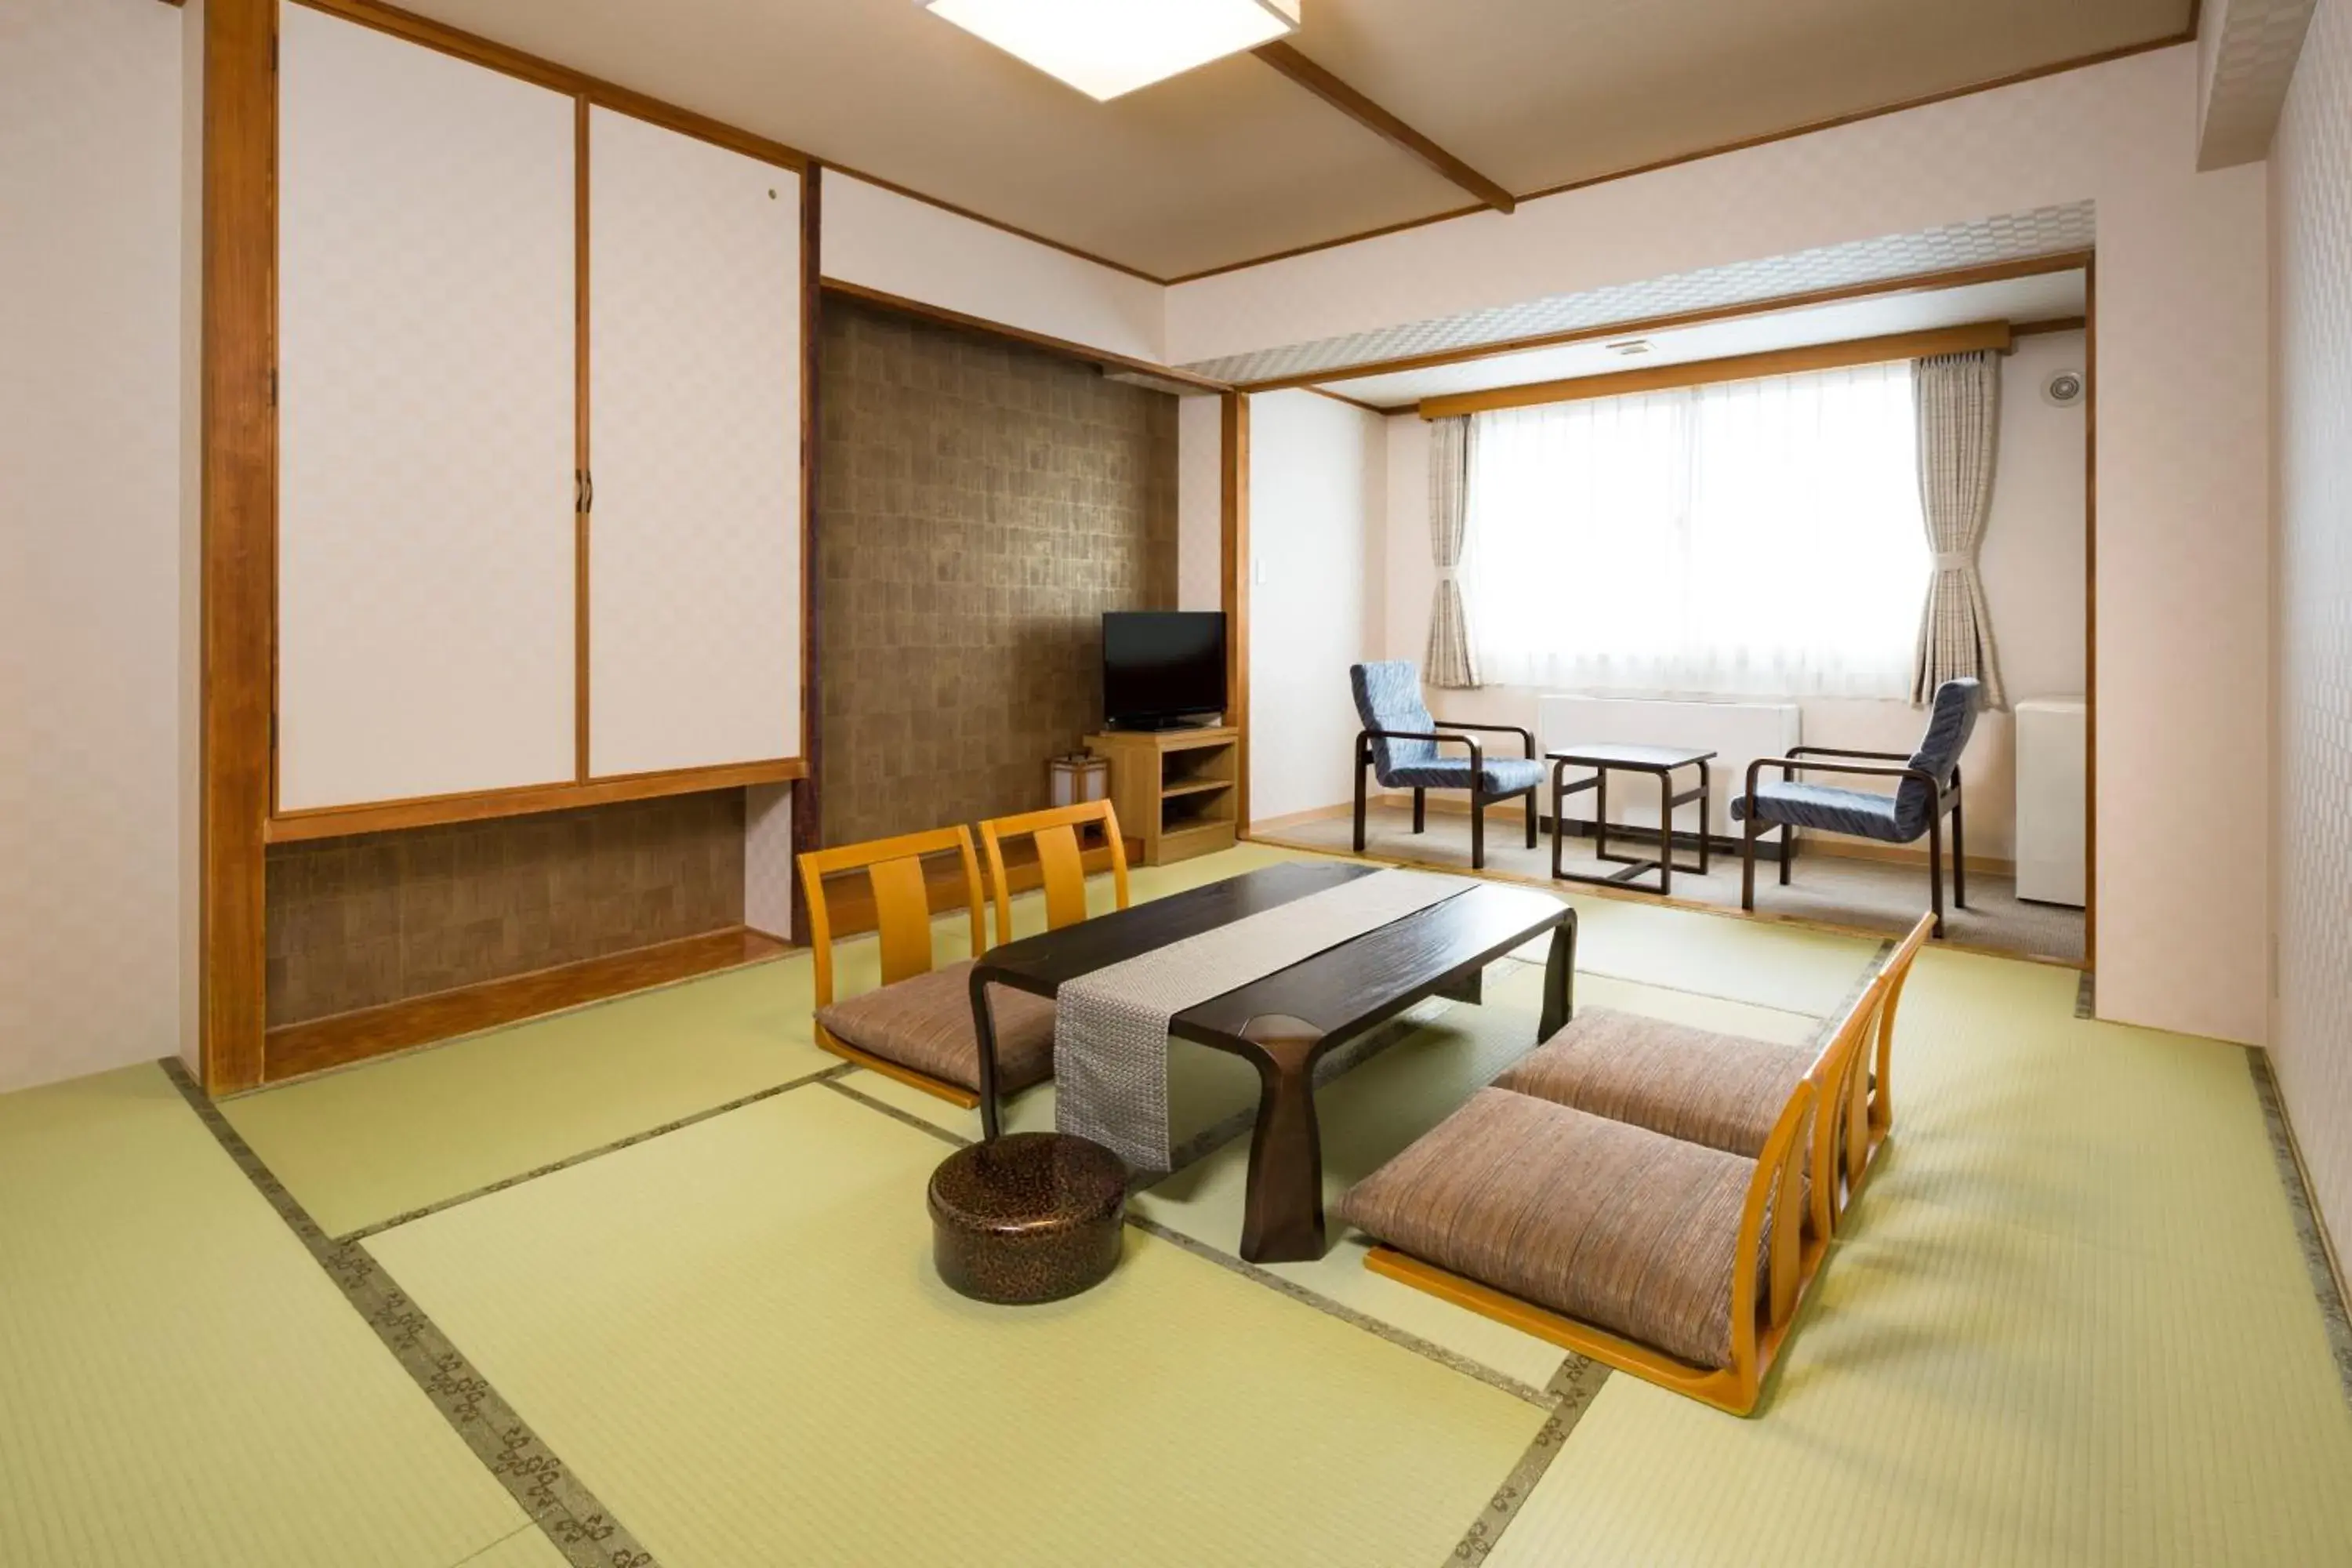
239, 500
1236, 537
808, 821
2091, 618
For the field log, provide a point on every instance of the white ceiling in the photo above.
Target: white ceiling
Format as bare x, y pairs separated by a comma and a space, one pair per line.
2047, 297
1233, 162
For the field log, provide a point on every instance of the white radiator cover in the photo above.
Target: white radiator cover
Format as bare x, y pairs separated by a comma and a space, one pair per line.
1738, 733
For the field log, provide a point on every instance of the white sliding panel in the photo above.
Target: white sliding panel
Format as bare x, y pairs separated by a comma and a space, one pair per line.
426, 404
694, 353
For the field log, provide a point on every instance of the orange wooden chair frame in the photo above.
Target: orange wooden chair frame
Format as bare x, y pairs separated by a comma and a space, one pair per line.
902, 920
1061, 864
1849, 1144
1856, 1113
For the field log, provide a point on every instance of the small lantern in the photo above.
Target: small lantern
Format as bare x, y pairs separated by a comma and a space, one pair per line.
1080, 776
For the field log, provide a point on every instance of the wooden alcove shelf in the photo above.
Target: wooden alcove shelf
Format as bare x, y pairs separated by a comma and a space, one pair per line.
1174, 790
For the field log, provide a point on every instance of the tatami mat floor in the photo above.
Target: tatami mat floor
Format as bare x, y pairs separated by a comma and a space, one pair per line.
2073, 1325
179, 1383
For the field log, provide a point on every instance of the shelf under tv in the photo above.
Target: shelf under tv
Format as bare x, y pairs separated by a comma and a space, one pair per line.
1173, 789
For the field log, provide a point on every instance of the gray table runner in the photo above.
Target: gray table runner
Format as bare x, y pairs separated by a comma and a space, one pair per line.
1110, 1027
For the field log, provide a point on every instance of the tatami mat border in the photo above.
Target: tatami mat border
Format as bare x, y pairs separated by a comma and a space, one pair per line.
1252, 1272
2326, 1284
754, 1098
1570, 1394
582, 1527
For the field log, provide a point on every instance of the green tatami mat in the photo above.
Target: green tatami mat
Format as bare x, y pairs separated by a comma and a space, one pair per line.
733, 1334
1699, 1010
361, 1146
2070, 1326
384, 1138
528, 1548
180, 1384
1760, 961
1367, 1116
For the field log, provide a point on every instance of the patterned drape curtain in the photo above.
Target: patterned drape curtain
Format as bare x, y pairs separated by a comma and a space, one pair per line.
1956, 398
1450, 660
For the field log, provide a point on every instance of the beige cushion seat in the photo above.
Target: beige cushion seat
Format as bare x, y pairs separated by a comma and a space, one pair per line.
925, 1023
1619, 1226
1722, 1090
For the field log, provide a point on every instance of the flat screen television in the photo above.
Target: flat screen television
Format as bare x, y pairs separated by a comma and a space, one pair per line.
1162, 668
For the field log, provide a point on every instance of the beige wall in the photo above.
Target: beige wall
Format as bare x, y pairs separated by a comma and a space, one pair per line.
2311, 189
883, 240
1200, 503
1319, 482
2183, 397
2033, 563
92, 790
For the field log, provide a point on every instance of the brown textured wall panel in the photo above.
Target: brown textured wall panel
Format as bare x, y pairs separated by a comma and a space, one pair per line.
378, 917
980, 504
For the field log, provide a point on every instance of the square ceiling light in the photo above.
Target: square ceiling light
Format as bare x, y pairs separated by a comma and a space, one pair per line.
1106, 47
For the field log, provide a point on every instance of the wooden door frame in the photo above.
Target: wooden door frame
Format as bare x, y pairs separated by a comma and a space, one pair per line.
808, 821
1233, 539
239, 532
2091, 622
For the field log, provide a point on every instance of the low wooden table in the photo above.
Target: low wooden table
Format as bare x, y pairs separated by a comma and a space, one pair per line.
1284, 1024
1664, 763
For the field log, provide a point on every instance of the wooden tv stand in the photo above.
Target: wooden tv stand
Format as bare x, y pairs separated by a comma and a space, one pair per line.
1173, 789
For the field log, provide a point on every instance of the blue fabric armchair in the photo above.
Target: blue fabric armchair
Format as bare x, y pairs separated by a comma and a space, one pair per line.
1400, 741
1929, 791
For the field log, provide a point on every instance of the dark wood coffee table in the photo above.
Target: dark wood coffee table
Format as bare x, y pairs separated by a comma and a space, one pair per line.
1284, 1024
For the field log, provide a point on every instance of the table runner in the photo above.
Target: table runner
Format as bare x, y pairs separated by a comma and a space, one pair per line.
1110, 1027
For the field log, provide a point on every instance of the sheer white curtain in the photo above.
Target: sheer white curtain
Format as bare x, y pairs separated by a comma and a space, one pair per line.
1754, 538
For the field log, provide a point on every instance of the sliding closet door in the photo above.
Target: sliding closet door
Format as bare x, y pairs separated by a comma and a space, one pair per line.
426, 284
694, 350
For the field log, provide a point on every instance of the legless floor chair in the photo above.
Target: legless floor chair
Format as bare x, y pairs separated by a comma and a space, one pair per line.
1061, 861
1619, 1191
917, 1025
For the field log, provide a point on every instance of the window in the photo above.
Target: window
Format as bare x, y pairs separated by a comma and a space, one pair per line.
1747, 539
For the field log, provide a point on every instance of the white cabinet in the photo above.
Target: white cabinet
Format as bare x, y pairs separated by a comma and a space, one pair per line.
427, 362
441, 599
694, 355
2053, 813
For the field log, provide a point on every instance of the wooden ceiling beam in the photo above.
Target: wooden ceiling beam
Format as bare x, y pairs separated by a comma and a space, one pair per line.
1286, 59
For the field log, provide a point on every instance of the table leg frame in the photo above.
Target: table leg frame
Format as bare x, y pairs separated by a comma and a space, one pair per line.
1664, 863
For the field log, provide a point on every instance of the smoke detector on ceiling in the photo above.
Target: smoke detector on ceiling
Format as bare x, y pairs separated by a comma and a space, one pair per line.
2063, 389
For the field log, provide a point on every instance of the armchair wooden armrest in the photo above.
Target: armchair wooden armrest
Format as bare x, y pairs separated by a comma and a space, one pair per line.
1525, 736
1792, 765
1843, 751
1364, 739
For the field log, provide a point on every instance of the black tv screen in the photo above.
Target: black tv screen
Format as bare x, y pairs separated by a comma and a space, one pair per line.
1163, 666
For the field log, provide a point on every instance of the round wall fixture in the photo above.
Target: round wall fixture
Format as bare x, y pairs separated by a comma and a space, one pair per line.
2063, 389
